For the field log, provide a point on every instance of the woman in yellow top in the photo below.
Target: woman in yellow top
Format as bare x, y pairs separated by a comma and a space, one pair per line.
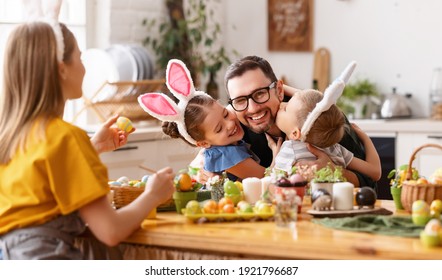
52, 182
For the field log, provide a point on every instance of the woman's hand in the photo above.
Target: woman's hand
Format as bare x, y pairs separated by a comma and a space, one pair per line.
322, 158
160, 185
108, 138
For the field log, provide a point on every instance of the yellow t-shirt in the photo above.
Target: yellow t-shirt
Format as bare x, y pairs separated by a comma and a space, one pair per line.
57, 175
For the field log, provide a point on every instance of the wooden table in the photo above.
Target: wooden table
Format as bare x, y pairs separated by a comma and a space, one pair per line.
264, 240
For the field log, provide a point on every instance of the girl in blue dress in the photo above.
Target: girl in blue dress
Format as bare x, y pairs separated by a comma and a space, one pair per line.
203, 122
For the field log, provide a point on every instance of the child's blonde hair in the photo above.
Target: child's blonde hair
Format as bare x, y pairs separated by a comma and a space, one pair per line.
329, 127
31, 83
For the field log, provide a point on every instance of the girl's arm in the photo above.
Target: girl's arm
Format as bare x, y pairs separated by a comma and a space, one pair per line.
113, 226
250, 168
247, 168
372, 164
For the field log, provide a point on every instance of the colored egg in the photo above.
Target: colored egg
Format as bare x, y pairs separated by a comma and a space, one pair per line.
436, 205
144, 179
124, 124
420, 207
115, 183
429, 240
133, 182
435, 214
433, 227
123, 180
139, 184
420, 220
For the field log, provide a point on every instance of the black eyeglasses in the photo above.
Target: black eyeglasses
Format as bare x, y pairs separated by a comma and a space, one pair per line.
261, 95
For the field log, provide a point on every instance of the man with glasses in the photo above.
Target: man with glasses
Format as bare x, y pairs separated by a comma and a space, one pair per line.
255, 95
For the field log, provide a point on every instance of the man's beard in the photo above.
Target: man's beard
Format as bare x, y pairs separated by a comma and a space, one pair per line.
259, 129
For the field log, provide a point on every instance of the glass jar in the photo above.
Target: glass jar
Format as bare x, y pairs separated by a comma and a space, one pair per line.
436, 94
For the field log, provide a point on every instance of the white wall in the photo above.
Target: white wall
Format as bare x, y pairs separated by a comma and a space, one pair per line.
397, 43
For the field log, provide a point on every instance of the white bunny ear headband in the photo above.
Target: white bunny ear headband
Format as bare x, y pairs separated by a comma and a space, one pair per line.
331, 95
159, 105
47, 11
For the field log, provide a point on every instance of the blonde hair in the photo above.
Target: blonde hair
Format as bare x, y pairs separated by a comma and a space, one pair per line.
31, 84
329, 127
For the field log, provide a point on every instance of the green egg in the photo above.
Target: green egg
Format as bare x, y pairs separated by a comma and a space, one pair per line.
420, 220
429, 240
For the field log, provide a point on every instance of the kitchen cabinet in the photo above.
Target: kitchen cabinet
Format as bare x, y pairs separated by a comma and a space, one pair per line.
427, 159
153, 153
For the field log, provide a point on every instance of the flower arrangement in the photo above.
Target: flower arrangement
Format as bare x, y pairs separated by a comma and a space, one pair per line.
398, 176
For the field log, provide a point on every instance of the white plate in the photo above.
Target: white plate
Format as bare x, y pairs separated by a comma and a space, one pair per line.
99, 69
139, 60
147, 62
124, 61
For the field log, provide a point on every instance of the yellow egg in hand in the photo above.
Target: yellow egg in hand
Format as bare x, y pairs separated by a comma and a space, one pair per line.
124, 124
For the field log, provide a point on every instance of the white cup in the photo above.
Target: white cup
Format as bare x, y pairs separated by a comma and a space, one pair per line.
252, 189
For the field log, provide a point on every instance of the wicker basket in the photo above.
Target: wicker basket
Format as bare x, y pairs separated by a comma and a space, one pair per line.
411, 191
122, 196
125, 195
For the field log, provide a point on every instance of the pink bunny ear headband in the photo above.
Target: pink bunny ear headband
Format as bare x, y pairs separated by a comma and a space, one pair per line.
331, 95
47, 11
159, 105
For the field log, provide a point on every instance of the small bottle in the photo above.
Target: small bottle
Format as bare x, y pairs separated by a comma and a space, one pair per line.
212, 86
436, 94
315, 84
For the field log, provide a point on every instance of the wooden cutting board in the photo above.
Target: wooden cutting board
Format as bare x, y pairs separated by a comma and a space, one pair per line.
321, 68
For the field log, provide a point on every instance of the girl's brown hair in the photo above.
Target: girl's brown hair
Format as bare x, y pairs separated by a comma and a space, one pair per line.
31, 84
329, 127
194, 115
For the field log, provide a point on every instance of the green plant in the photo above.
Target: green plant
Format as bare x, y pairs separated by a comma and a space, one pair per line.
329, 175
354, 92
190, 35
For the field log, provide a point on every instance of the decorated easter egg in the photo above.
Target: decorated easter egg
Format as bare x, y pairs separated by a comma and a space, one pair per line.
430, 236
140, 184
436, 205
193, 207
297, 180
115, 183
420, 214
144, 179
123, 180
429, 240
433, 227
124, 124
420, 207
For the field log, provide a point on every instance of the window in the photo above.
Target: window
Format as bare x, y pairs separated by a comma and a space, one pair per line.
73, 13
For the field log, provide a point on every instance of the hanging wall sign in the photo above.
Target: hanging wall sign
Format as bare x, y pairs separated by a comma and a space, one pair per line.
290, 25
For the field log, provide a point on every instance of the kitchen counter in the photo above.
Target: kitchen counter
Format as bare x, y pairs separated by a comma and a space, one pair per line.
175, 237
399, 125
154, 131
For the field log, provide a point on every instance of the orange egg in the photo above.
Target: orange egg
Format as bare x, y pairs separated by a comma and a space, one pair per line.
228, 208
210, 207
224, 201
183, 182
